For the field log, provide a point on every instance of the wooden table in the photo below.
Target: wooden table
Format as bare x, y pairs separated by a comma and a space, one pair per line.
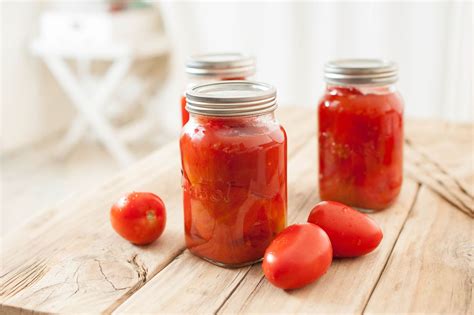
70, 260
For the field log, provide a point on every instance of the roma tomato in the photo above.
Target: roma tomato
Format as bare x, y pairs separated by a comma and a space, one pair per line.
139, 217
352, 233
299, 255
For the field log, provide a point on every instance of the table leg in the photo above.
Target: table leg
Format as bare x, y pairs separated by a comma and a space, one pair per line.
72, 137
89, 108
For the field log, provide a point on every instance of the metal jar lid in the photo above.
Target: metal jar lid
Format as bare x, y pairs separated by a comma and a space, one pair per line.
360, 71
224, 65
231, 98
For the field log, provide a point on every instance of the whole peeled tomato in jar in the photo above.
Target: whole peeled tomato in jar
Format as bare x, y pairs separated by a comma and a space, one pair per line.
360, 121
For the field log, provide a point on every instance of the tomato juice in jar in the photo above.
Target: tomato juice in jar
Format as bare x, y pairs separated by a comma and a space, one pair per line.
234, 156
360, 119
207, 68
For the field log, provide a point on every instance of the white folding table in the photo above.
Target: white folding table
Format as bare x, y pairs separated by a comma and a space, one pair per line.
87, 102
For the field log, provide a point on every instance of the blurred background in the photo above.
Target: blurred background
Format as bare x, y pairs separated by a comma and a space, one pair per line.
89, 87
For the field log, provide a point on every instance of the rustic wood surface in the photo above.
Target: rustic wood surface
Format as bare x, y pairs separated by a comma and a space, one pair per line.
70, 260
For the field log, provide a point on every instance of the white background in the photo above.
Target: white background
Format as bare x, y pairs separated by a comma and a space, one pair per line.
431, 42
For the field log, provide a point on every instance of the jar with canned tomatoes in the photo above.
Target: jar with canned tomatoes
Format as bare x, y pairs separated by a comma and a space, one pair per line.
360, 120
234, 164
207, 68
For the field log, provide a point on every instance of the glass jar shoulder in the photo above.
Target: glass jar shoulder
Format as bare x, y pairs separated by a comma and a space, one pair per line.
360, 100
233, 134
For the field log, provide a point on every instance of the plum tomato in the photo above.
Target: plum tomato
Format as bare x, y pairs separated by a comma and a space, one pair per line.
351, 232
139, 217
299, 255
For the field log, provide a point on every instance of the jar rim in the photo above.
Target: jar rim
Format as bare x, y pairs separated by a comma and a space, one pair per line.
225, 65
360, 71
231, 98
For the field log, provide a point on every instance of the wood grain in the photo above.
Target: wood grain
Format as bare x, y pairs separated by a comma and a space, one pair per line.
424, 169
70, 260
440, 155
345, 288
195, 282
430, 269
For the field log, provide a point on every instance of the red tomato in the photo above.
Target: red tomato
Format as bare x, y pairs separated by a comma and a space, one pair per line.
139, 217
299, 255
352, 233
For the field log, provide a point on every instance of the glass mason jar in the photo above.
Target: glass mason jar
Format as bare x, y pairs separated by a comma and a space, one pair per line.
360, 134
207, 68
233, 154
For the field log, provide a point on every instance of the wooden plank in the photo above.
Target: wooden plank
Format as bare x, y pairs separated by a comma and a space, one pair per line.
195, 282
424, 169
344, 289
69, 259
440, 155
201, 287
430, 269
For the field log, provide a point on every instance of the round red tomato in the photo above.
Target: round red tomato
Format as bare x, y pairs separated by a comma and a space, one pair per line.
299, 255
352, 233
139, 217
